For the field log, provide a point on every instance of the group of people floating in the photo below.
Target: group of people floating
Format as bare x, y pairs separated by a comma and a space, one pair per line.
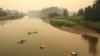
29, 33
73, 53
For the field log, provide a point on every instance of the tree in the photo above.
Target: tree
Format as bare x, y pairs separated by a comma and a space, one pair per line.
2, 12
93, 13
51, 10
96, 8
51, 15
88, 13
74, 14
65, 13
80, 12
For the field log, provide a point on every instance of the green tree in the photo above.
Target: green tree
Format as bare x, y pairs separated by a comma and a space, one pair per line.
80, 12
96, 8
93, 13
88, 13
2, 12
74, 14
65, 13
51, 15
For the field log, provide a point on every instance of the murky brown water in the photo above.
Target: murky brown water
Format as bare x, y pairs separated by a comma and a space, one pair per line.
57, 42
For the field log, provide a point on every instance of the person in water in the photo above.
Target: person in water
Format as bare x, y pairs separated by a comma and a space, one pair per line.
73, 53
29, 33
21, 41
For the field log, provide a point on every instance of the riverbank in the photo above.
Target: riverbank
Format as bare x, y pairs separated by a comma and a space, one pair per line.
10, 17
76, 25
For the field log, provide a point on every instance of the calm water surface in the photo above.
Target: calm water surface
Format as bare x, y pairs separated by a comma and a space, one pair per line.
57, 42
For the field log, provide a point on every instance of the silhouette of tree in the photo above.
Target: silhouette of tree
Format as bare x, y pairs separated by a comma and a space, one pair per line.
74, 14
80, 12
2, 12
92, 13
65, 13
51, 15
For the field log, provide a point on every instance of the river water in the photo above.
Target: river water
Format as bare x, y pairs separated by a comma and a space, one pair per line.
57, 42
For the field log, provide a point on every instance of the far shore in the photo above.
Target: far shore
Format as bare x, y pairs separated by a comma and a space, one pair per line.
11, 17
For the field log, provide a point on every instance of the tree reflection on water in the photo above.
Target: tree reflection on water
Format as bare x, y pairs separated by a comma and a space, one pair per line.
92, 44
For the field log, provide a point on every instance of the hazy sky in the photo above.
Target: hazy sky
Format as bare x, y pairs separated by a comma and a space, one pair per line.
25, 5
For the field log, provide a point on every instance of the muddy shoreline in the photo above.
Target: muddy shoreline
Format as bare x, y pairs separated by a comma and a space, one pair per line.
79, 30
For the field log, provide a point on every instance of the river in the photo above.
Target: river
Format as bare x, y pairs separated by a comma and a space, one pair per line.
57, 42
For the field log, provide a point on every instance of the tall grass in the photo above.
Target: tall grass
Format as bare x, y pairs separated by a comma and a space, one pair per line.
60, 22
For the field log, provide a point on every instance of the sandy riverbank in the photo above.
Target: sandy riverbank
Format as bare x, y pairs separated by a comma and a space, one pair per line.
80, 30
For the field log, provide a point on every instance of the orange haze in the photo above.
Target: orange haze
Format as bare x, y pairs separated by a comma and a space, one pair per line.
25, 5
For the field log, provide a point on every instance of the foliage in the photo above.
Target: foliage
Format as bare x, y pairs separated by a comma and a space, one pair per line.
80, 12
92, 13
46, 12
10, 14
51, 15
74, 14
51, 10
65, 13
2, 12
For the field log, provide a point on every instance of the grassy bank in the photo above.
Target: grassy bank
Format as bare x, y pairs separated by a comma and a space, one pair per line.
76, 24
89, 24
62, 22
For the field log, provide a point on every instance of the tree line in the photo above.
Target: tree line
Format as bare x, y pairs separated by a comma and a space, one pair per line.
50, 12
9, 12
91, 13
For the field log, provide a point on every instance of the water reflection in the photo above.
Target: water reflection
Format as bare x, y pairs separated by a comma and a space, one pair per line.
92, 44
4, 21
45, 20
